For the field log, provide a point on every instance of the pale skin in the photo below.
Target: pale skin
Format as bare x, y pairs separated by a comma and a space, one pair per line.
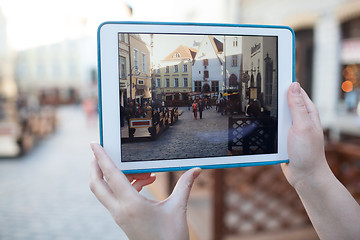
332, 210
139, 217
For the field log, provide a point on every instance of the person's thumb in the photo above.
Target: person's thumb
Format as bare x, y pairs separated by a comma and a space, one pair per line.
181, 192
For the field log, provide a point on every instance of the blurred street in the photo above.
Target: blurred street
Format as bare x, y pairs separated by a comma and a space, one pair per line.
46, 195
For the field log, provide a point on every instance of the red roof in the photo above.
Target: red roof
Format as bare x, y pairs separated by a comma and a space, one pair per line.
181, 53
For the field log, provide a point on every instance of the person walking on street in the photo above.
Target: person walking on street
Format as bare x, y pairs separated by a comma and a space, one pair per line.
201, 108
195, 109
222, 106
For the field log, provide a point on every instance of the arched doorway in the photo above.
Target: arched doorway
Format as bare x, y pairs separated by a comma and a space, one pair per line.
258, 87
252, 80
233, 84
206, 88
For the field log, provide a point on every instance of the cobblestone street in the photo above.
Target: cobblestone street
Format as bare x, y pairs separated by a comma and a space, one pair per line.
46, 195
187, 138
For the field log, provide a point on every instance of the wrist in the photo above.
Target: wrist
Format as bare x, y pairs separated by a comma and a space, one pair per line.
316, 180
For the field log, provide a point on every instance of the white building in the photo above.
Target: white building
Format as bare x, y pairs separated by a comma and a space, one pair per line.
260, 62
7, 85
62, 68
233, 61
208, 67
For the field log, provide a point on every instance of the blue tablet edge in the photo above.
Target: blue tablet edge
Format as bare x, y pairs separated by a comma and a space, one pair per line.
171, 169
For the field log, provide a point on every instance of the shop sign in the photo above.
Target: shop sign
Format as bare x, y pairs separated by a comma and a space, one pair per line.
122, 85
245, 77
255, 49
140, 122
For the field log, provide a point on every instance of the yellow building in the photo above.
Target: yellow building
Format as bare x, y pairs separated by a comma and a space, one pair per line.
172, 77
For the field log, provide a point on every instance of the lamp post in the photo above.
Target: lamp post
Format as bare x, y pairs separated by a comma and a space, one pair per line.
131, 74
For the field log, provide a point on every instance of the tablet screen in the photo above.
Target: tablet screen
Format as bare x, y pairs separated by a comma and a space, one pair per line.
186, 96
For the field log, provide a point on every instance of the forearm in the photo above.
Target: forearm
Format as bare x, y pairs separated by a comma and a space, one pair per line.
333, 212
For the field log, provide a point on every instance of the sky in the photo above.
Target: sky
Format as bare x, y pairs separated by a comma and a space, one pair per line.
165, 44
38, 22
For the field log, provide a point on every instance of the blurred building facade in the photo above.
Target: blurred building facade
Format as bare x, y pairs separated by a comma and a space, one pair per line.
9, 131
58, 72
7, 84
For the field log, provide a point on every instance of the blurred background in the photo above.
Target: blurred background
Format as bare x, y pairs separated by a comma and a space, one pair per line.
48, 105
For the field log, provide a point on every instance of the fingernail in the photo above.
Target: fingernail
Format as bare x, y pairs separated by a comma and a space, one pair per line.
295, 88
196, 172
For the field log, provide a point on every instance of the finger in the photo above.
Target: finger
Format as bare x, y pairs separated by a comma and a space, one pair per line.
135, 176
99, 187
140, 183
299, 113
180, 195
312, 110
116, 180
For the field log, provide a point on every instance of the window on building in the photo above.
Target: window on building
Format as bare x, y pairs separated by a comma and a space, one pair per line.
140, 82
167, 69
158, 82
215, 86
185, 82
167, 82
124, 37
205, 62
197, 86
177, 55
176, 68
157, 71
206, 74
143, 62
234, 61
176, 82
136, 59
185, 68
123, 67
235, 42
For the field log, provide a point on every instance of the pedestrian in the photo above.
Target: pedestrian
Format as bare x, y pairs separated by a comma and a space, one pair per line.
201, 108
222, 106
195, 109
334, 213
148, 110
189, 104
89, 107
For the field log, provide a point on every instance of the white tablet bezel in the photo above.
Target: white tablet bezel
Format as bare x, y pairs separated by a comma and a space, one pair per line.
109, 91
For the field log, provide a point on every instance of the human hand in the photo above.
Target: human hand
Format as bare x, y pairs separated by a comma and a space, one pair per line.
305, 140
139, 217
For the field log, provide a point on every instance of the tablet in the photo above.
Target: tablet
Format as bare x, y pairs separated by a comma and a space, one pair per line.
174, 96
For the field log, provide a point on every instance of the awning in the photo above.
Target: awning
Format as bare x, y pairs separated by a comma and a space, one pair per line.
229, 94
